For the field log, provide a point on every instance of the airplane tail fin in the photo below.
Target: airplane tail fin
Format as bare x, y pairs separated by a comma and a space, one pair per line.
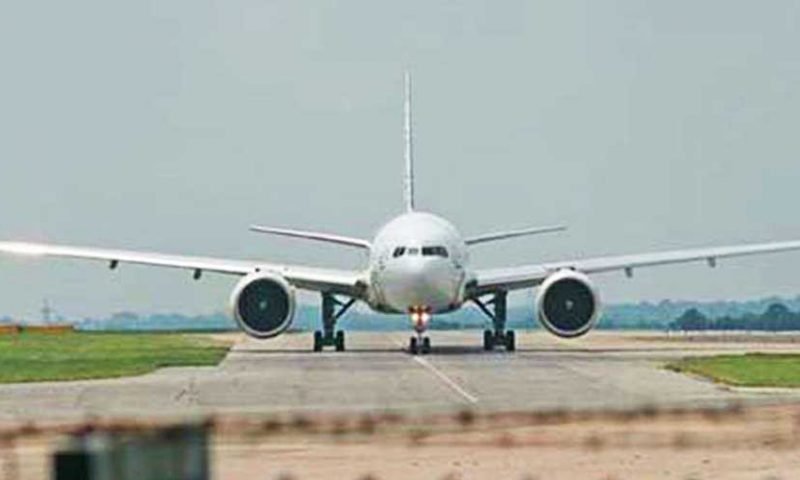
409, 151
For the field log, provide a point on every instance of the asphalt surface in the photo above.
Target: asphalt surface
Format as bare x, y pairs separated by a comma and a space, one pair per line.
601, 371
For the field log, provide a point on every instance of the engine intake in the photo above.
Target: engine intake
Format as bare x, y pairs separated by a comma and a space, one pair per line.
263, 305
568, 304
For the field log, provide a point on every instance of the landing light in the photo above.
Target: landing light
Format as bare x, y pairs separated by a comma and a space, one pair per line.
420, 318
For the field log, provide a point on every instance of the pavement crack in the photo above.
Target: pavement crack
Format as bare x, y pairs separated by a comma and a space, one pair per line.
189, 393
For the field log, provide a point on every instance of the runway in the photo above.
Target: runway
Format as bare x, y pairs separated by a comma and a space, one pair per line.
601, 371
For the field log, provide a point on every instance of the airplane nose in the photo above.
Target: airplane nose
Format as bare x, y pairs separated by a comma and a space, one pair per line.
419, 273
421, 282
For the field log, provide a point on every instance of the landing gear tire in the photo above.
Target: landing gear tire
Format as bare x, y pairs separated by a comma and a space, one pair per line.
413, 346
339, 342
317, 341
426, 346
419, 345
511, 341
488, 340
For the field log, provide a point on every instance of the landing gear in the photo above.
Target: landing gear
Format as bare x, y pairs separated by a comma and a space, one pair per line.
419, 345
498, 313
332, 310
318, 342
507, 339
511, 341
488, 340
339, 341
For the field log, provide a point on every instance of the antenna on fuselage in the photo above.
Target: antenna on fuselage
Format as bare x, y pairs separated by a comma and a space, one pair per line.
409, 151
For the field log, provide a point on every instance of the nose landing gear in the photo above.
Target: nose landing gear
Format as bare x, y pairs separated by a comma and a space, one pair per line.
420, 343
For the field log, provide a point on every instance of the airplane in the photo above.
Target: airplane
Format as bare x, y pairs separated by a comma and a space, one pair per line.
419, 265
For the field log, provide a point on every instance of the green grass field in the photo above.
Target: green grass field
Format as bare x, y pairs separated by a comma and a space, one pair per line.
752, 370
35, 357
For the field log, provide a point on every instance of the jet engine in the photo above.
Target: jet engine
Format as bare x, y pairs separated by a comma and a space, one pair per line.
263, 305
568, 304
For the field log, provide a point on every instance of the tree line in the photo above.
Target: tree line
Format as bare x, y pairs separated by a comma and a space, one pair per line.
776, 318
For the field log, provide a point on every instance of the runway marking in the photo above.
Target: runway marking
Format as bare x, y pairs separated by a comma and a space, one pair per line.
447, 380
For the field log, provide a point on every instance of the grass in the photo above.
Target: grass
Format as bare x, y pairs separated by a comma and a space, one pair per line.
751, 370
36, 357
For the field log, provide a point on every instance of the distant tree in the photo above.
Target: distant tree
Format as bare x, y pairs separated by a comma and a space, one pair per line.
728, 323
778, 317
607, 323
692, 319
643, 325
124, 316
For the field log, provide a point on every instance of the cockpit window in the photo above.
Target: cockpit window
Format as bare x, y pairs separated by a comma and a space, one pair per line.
425, 251
435, 252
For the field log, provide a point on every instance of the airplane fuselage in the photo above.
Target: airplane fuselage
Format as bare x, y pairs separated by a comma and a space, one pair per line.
418, 263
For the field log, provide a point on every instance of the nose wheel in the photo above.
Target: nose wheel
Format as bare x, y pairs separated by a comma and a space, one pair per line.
419, 345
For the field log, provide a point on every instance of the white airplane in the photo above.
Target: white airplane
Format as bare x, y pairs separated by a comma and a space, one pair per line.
418, 265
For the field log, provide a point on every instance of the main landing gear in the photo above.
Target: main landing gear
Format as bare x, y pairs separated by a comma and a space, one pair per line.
497, 310
420, 343
332, 310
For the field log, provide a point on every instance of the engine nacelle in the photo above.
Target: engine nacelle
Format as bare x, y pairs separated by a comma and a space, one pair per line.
568, 304
263, 305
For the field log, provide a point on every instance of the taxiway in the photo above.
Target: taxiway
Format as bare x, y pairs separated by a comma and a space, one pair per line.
602, 371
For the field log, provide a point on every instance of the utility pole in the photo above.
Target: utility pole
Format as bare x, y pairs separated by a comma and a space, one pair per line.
47, 312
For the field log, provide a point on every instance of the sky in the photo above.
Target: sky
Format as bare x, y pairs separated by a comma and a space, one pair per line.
173, 125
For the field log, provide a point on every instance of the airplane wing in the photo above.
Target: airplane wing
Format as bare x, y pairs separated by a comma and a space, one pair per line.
317, 279
492, 237
320, 237
528, 276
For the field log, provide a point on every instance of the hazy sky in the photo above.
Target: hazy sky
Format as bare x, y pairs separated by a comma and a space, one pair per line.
173, 125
